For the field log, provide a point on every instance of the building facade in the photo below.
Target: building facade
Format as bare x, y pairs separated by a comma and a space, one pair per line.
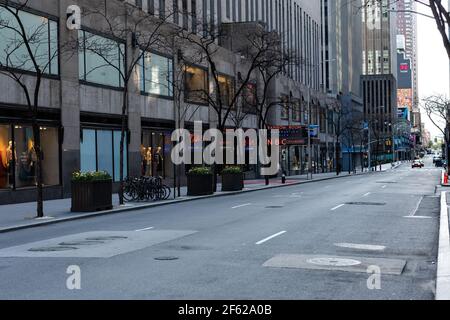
379, 79
342, 56
80, 101
407, 29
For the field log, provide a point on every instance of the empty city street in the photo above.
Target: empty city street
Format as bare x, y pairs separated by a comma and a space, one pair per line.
320, 240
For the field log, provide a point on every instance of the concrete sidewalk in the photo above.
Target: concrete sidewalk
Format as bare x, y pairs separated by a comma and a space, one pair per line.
21, 216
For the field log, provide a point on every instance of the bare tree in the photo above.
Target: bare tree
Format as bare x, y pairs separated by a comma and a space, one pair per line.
27, 55
139, 31
337, 118
256, 50
437, 110
353, 134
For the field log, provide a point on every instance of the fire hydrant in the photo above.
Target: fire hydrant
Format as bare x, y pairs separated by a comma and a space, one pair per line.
446, 178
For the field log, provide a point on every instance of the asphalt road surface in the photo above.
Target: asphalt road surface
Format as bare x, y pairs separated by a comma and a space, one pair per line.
324, 240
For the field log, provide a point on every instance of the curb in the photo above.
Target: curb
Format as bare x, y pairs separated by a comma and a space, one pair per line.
443, 268
171, 202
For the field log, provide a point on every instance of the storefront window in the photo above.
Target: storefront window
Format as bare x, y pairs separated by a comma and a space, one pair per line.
294, 161
155, 153
100, 151
88, 151
50, 155
156, 75
105, 151
196, 85
18, 159
43, 35
100, 59
6, 157
26, 156
116, 143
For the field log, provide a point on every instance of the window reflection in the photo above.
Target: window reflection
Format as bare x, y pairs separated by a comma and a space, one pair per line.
196, 86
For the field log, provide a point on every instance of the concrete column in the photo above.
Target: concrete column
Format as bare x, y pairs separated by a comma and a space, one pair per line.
134, 118
69, 100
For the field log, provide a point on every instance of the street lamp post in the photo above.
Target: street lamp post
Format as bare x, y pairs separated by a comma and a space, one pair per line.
310, 174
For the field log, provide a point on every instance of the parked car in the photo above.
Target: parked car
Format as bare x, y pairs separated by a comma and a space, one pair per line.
436, 158
417, 164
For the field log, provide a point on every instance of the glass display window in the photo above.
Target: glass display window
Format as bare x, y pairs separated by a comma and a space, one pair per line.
6, 157
196, 85
18, 158
100, 151
155, 153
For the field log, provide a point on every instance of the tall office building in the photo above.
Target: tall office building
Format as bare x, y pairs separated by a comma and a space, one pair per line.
407, 27
379, 80
407, 30
342, 69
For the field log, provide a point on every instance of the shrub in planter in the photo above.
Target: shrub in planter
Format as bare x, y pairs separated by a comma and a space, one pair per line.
232, 179
91, 191
200, 181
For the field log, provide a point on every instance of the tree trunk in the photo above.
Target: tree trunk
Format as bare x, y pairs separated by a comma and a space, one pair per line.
122, 142
38, 172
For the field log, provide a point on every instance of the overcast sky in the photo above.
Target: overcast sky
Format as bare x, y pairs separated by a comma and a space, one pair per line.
434, 69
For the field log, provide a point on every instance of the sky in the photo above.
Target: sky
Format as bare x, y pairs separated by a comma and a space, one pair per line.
434, 69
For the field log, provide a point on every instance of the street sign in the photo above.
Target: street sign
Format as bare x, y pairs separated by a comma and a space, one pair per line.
313, 130
366, 126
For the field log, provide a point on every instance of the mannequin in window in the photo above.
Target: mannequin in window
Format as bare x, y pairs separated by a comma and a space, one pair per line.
157, 161
3, 170
27, 170
10, 156
148, 159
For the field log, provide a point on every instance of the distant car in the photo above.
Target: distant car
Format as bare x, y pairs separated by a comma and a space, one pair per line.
439, 163
435, 158
417, 164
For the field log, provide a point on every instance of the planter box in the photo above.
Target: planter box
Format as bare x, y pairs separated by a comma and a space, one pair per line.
200, 185
232, 181
89, 196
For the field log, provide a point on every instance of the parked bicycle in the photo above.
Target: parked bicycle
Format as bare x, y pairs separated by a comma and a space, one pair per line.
145, 189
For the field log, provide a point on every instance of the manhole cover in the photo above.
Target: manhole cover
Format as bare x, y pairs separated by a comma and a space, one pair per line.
334, 262
81, 243
274, 207
166, 258
106, 238
52, 249
366, 203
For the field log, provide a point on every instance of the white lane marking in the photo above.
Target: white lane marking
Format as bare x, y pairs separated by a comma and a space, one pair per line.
242, 205
337, 207
413, 213
146, 229
367, 194
271, 237
384, 187
361, 246
418, 217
